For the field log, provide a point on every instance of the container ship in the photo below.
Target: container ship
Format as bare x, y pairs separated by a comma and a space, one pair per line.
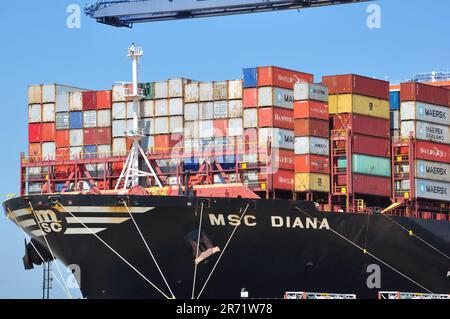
267, 186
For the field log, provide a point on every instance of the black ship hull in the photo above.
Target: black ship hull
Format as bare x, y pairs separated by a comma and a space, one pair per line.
267, 247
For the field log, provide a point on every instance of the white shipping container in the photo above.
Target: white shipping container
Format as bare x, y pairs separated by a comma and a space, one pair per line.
62, 121
62, 102
161, 90
250, 158
34, 94
432, 190
118, 93
104, 150
119, 146
176, 124
279, 138
220, 109
176, 87
130, 110
129, 127
48, 112
75, 101
76, 137
161, 108
119, 128
235, 90
220, 90
271, 96
49, 93
425, 112
191, 129
206, 92
206, 129
235, 108
235, 127
119, 110
89, 119
206, 111
34, 113
426, 131
395, 120
162, 125
250, 118
75, 152
310, 91
433, 170
191, 111
312, 145
191, 93
148, 126
104, 118
147, 108
48, 151
176, 106
191, 145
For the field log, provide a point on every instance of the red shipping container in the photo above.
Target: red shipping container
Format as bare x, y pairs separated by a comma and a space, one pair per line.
62, 138
311, 127
283, 180
360, 124
282, 159
370, 145
432, 151
90, 136
421, 92
104, 100
312, 164
117, 167
276, 117
341, 180
62, 154
372, 185
250, 98
48, 132
34, 133
357, 84
35, 151
311, 109
62, 171
220, 128
162, 143
103, 136
89, 100
283, 78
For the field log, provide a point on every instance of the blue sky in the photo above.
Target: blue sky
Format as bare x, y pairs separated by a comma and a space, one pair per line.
37, 47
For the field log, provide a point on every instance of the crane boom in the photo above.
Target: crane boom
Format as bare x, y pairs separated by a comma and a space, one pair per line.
124, 13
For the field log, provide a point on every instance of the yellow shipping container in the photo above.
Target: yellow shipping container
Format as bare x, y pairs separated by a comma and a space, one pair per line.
312, 182
358, 104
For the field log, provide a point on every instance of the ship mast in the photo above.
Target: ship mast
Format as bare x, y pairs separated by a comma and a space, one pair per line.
130, 173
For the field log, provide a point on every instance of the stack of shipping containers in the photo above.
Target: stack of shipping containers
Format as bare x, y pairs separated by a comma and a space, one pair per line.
394, 104
425, 150
311, 129
360, 141
268, 101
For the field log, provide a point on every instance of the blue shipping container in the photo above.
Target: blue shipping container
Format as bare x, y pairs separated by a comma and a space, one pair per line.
394, 100
75, 120
59, 187
89, 151
250, 77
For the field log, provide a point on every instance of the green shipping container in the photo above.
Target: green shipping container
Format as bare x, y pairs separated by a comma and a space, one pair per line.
371, 165
149, 90
342, 162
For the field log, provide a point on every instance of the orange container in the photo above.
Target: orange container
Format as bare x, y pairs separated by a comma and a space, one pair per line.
220, 128
283, 78
283, 180
104, 100
62, 138
34, 151
117, 167
276, 117
311, 127
311, 109
162, 143
312, 164
62, 153
281, 159
250, 98
48, 132
34, 132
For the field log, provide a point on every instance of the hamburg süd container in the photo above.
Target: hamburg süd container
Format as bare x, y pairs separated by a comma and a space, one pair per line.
278, 159
425, 112
282, 180
310, 91
358, 104
371, 165
275, 117
426, 131
311, 109
312, 182
283, 78
356, 84
311, 127
361, 124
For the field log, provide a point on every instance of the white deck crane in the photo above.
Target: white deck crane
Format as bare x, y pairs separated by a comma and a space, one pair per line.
124, 13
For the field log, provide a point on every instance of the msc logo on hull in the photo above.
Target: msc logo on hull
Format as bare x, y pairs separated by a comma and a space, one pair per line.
48, 221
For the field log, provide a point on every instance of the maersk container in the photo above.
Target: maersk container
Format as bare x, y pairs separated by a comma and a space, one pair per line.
118, 128
119, 110
432, 190
235, 90
76, 137
34, 94
220, 90
206, 92
433, 171
176, 124
48, 151
161, 90
62, 121
234, 108
75, 101
425, 112
426, 131
271, 96
75, 152
278, 138
48, 112
206, 111
119, 146
206, 129
147, 108
161, 108
250, 77
176, 87
394, 100
162, 125
310, 91
371, 165
191, 92
235, 127
104, 118
191, 111
75, 120
312, 145
220, 109
250, 118
176, 106
89, 119
34, 113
